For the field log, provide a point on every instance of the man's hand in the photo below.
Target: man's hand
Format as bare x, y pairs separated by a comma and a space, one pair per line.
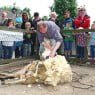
54, 49
47, 46
53, 53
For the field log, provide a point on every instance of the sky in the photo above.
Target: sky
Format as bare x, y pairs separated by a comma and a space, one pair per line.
90, 7
42, 6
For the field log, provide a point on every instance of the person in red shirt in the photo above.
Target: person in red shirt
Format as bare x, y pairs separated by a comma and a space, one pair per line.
82, 20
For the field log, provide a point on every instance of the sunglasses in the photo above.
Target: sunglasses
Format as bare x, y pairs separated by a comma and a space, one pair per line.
81, 10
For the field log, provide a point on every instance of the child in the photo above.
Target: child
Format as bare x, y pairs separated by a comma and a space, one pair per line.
27, 42
81, 44
11, 24
8, 45
68, 40
92, 44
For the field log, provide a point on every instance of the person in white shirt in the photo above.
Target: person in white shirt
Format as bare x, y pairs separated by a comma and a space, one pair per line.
8, 45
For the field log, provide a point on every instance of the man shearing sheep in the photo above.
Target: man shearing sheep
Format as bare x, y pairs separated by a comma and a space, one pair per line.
49, 30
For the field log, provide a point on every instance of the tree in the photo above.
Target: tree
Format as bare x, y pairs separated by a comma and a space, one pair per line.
6, 8
60, 6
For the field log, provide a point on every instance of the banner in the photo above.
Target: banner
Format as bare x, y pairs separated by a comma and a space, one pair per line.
10, 36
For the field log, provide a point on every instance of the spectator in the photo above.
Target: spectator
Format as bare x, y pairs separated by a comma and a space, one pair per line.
18, 21
27, 42
68, 40
8, 46
36, 19
92, 44
53, 17
82, 21
25, 18
4, 19
67, 18
17, 44
11, 23
49, 30
3, 22
81, 45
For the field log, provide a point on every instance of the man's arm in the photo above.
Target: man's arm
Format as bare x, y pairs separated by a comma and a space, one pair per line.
58, 38
40, 37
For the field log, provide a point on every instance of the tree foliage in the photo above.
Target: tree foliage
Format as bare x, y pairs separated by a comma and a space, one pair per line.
6, 8
60, 6
10, 8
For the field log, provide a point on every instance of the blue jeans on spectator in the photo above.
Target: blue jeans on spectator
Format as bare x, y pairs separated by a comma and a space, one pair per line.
68, 45
92, 51
80, 52
1, 50
7, 52
27, 49
18, 48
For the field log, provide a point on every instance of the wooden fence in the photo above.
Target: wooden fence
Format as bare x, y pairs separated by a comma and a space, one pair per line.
22, 30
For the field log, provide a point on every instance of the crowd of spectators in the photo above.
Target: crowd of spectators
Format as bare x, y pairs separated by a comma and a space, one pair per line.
31, 39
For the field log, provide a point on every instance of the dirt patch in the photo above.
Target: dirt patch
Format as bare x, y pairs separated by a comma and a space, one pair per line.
83, 83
